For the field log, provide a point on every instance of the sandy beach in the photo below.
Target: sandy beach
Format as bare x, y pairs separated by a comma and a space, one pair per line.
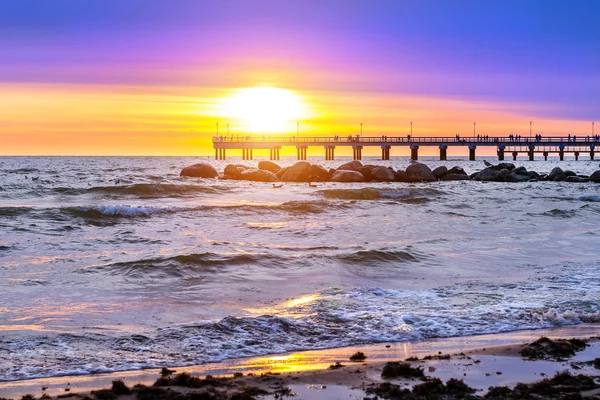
480, 361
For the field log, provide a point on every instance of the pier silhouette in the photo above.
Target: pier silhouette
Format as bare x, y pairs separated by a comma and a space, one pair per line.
512, 144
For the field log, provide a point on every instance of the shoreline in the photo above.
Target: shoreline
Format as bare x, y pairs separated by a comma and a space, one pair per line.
496, 351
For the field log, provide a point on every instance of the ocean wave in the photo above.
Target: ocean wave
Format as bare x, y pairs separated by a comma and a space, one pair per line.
556, 213
183, 266
406, 195
20, 170
330, 318
14, 211
125, 211
379, 256
145, 190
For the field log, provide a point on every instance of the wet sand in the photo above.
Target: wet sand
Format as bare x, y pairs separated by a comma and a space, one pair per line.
481, 361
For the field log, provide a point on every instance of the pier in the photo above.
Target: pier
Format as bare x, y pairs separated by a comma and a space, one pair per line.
509, 145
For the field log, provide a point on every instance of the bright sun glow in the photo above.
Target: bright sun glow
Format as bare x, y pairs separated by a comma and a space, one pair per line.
264, 110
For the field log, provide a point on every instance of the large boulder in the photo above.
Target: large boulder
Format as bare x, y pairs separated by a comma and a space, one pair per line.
595, 177
400, 175
366, 171
557, 175
351, 166
520, 171
512, 177
577, 179
299, 172
200, 170
382, 174
281, 172
455, 177
347, 176
570, 173
439, 172
418, 172
232, 172
503, 174
456, 170
269, 166
487, 175
259, 175
318, 173
508, 166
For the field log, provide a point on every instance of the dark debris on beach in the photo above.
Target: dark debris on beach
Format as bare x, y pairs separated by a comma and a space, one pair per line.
548, 349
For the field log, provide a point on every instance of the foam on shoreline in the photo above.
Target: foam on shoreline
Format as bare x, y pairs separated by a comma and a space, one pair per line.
497, 349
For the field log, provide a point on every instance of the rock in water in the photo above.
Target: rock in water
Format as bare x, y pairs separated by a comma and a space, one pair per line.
457, 170
557, 175
595, 177
269, 166
576, 179
418, 172
347, 176
487, 163
455, 177
382, 174
400, 176
351, 166
232, 172
299, 172
318, 173
259, 175
200, 170
282, 171
512, 177
487, 175
439, 172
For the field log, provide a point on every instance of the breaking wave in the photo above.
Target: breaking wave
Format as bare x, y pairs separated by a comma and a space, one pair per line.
332, 318
406, 195
145, 190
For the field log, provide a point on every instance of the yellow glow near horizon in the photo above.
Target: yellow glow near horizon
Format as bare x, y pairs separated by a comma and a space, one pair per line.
264, 109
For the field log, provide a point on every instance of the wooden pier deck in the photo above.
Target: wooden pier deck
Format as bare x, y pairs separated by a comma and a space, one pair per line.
575, 145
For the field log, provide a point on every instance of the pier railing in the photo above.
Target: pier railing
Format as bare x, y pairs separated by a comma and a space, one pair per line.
511, 143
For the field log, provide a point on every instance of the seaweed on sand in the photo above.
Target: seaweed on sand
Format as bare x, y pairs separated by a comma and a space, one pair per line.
548, 349
395, 369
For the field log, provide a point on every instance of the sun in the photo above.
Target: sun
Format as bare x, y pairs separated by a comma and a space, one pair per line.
264, 109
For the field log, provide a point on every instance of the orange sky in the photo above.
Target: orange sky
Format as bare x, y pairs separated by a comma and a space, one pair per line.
87, 119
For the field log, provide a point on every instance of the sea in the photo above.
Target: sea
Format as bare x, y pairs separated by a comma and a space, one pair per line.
118, 263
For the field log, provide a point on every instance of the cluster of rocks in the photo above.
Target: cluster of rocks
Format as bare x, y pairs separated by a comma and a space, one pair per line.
355, 171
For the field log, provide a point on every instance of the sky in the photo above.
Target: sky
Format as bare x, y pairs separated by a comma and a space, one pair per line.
144, 77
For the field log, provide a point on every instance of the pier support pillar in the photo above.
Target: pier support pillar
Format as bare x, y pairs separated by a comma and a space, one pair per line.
501, 152
216, 154
576, 156
301, 153
414, 152
530, 152
443, 152
385, 152
515, 155
592, 155
472, 152
329, 153
220, 154
545, 156
561, 152
357, 152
